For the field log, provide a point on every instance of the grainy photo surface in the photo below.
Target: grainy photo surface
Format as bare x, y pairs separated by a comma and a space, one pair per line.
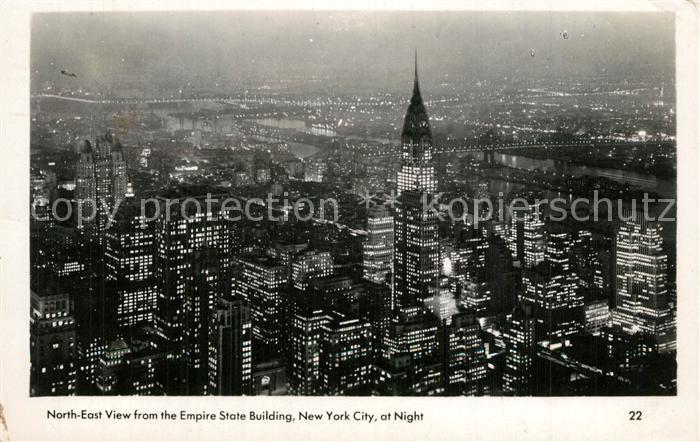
385, 203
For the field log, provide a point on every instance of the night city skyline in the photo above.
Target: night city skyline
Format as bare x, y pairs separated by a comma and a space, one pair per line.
377, 204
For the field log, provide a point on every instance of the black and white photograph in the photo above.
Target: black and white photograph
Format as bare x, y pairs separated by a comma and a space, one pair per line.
357, 203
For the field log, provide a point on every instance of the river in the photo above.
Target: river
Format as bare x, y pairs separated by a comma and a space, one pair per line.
663, 186
300, 125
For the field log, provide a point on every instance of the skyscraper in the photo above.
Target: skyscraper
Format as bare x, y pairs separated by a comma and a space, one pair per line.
551, 289
416, 246
230, 349
193, 271
262, 282
378, 248
558, 250
596, 316
417, 170
641, 301
110, 169
100, 181
417, 251
85, 185
309, 265
112, 369
52, 340
305, 354
519, 338
534, 241
516, 235
130, 268
410, 361
346, 356
464, 357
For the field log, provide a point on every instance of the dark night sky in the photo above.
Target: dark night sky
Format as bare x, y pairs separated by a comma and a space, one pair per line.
357, 48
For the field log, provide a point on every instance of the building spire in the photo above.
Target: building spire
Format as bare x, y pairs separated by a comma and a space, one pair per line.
416, 126
416, 98
415, 69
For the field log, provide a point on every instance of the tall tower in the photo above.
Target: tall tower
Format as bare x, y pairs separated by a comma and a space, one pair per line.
262, 282
416, 245
551, 289
519, 337
129, 268
534, 241
85, 182
230, 348
100, 180
378, 248
118, 174
641, 301
346, 356
417, 170
305, 346
463, 355
193, 265
52, 331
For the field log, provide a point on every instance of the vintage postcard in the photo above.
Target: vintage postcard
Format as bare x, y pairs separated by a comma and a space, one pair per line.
421, 220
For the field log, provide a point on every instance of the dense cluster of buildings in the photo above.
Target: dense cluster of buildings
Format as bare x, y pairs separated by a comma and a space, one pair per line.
197, 303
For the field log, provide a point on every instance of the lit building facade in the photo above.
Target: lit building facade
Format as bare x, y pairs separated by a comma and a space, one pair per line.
129, 259
410, 362
262, 282
378, 248
416, 251
305, 352
230, 349
464, 356
193, 270
100, 182
534, 240
346, 356
596, 316
641, 301
551, 288
52, 331
417, 170
310, 265
519, 339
